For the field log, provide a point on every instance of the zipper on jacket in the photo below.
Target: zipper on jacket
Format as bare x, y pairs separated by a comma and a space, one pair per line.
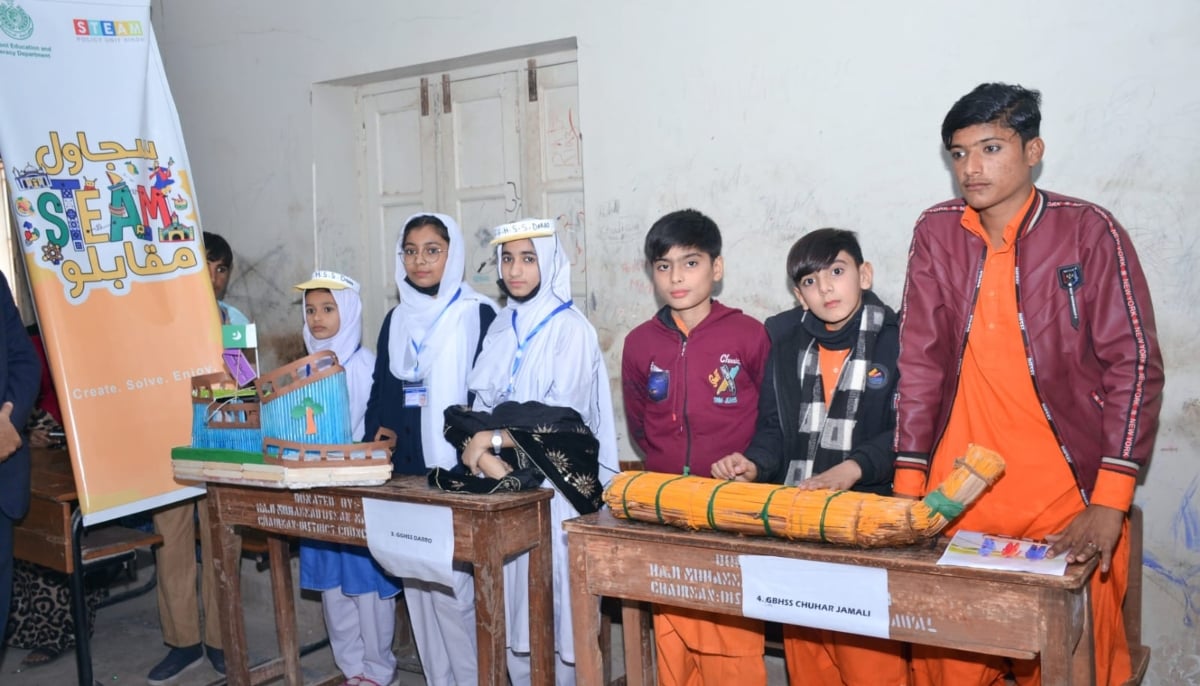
785, 462
962, 351
1031, 364
687, 428
1028, 354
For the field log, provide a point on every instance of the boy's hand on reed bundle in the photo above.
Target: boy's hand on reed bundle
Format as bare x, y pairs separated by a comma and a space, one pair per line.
839, 478
734, 467
1093, 532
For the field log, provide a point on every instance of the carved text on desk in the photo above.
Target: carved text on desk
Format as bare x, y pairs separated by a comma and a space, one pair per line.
314, 513
705, 584
914, 623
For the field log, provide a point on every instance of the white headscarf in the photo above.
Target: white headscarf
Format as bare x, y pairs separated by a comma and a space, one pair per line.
347, 345
561, 365
445, 327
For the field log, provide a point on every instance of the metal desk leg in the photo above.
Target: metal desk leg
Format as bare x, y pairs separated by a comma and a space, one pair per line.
83, 648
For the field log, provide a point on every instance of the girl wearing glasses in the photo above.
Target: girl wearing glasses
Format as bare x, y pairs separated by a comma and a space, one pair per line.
426, 348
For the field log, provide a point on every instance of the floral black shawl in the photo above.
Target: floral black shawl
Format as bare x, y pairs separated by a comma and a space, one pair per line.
551, 442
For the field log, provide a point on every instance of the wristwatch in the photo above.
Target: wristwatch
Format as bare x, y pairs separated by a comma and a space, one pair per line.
497, 442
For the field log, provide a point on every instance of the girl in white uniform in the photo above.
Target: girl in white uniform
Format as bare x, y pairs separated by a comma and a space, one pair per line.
541, 348
357, 596
426, 347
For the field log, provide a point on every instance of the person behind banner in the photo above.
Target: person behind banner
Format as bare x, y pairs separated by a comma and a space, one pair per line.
175, 559
426, 347
826, 420
40, 617
1027, 328
220, 269
44, 428
20, 376
358, 598
690, 377
541, 349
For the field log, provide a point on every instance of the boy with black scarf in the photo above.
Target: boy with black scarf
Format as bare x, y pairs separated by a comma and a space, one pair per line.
826, 420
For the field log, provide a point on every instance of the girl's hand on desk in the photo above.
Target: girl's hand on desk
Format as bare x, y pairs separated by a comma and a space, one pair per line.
493, 467
479, 445
479, 456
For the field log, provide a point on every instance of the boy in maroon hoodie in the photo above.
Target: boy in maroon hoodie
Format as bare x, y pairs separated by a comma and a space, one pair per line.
690, 378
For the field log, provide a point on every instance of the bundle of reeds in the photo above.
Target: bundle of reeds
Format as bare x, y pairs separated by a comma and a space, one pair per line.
846, 517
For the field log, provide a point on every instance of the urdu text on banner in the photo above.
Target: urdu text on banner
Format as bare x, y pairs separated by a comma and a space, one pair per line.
105, 212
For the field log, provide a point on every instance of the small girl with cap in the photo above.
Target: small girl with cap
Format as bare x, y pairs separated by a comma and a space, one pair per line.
542, 350
358, 597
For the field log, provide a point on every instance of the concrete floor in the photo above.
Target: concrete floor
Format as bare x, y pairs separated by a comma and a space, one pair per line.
127, 642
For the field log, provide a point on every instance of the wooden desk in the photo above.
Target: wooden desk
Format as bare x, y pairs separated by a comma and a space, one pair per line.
43, 535
488, 529
51, 534
1000, 613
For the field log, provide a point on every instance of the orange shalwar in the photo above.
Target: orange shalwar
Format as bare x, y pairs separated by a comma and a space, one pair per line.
820, 657
697, 648
997, 407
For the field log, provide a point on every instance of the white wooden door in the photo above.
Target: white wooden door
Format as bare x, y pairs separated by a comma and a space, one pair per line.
480, 147
480, 154
553, 160
401, 178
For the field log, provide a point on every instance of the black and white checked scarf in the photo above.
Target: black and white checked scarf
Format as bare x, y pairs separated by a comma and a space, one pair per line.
829, 432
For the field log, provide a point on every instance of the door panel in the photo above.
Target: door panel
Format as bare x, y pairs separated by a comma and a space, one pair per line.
492, 156
553, 156
401, 179
480, 149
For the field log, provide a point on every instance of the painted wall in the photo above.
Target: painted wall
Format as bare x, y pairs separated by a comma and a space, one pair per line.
774, 118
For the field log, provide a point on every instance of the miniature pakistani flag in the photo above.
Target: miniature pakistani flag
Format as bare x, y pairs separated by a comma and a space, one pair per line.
239, 336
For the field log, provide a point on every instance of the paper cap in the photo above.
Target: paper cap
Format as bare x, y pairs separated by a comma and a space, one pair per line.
526, 228
331, 280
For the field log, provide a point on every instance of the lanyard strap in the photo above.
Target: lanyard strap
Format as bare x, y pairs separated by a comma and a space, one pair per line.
418, 348
512, 377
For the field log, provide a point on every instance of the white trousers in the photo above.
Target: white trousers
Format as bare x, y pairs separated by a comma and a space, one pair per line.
443, 624
360, 629
516, 603
520, 671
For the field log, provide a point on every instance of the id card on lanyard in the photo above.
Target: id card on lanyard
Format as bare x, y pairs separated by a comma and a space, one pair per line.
522, 344
416, 394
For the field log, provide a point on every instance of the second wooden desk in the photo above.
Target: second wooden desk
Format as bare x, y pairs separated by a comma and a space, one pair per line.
488, 529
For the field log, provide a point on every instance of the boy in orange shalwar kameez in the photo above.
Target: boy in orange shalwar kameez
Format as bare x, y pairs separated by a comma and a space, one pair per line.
1027, 328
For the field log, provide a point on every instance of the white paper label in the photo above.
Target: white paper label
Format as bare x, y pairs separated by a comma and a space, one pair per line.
410, 539
817, 594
